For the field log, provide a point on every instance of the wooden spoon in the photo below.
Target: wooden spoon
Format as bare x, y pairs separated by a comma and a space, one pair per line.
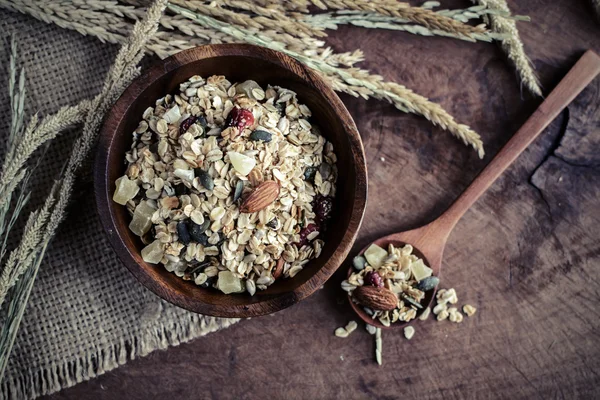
429, 241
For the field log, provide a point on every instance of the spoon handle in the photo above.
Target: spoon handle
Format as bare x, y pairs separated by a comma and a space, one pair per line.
569, 87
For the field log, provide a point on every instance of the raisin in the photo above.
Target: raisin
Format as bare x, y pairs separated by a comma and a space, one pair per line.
310, 228
185, 125
374, 279
322, 206
240, 118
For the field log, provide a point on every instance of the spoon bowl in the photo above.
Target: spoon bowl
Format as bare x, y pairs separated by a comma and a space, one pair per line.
432, 257
429, 241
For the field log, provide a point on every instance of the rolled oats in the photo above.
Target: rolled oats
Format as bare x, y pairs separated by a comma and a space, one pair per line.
469, 310
198, 154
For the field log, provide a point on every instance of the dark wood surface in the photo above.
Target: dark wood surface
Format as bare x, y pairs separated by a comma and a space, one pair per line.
238, 62
430, 240
526, 254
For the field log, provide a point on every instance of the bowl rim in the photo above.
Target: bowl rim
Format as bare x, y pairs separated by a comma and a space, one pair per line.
106, 209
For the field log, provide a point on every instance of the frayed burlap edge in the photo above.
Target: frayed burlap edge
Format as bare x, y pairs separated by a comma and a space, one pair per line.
55, 377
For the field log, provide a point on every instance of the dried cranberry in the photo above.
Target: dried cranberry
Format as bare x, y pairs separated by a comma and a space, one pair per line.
185, 125
240, 118
322, 206
310, 228
374, 279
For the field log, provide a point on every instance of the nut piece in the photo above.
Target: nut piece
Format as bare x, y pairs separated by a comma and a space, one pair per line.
375, 298
263, 196
278, 268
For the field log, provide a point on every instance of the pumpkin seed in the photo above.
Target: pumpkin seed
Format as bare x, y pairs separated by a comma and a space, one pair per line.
205, 179
325, 170
309, 173
359, 263
202, 121
411, 300
428, 283
183, 233
239, 188
273, 224
261, 135
197, 231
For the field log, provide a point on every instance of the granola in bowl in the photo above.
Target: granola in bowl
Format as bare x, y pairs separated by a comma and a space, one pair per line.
229, 185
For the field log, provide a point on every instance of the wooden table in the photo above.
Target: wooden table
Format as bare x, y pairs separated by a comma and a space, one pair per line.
527, 254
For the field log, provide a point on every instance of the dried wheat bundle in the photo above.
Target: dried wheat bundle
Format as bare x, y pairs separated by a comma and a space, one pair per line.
20, 269
512, 44
287, 27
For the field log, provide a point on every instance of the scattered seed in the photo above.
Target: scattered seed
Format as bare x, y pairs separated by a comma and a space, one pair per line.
261, 135
409, 332
205, 179
378, 346
351, 326
239, 188
443, 315
371, 329
428, 283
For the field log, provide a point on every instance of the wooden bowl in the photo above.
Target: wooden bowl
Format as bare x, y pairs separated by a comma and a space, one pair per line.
237, 62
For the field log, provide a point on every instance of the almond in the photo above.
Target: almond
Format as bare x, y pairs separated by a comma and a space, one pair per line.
264, 195
375, 298
278, 268
255, 177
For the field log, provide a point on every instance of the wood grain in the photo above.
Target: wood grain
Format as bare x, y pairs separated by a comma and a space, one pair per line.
238, 62
526, 254
429, 241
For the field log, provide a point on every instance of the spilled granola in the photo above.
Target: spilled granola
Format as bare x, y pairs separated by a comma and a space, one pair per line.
229, 185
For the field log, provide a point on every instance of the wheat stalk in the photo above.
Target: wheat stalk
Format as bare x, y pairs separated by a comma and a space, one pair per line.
376, 21
418, 15
512, 44
42, 224
354, 78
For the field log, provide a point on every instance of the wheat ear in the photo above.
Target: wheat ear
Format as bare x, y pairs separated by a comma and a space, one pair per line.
512, 44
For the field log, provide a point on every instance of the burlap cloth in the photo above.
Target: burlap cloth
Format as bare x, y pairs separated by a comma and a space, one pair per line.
87, 314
